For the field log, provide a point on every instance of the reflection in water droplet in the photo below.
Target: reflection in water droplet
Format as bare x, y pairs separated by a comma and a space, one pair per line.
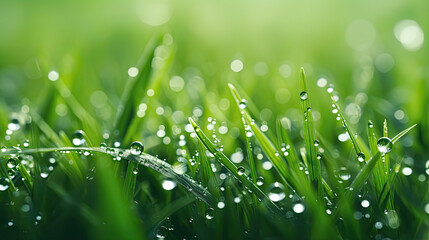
361, 157
210, 213
4, 184
260, 181
298, 208
276, 192
303, 96
78, 138
241, 170
384, 145
136, 148
162, 232
168, 184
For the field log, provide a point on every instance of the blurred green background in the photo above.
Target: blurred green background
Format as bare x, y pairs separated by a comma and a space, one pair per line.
374, 53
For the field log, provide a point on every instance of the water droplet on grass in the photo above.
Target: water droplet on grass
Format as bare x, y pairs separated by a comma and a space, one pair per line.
210, 213
136, 148
303, 96
11, 163
162, 232
241, 171
276, 192
168, 184
14, 124
343, 174
260, 181
4, 184
316, 142
384, 145
298, 208
78, 138
361, 157
242, 104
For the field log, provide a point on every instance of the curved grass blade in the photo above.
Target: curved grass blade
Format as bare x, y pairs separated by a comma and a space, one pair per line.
228, 164
144, 159
310, 144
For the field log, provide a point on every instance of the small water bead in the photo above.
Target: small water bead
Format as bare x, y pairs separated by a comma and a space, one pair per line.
11, 163
378, 225
361, 157
384, 145
4, 184
210, 213
168, 184
303, 96
44, 174
298, 208
276, 192
26, 143
242, 104
78, 138
364, 203
343, 174
241, 171
136, 148
370, 124
14, 124
220, 205
316, 143
38, 217
135, 171
162, 232
260, 181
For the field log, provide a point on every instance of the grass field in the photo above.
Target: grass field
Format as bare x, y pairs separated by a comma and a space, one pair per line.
214, 120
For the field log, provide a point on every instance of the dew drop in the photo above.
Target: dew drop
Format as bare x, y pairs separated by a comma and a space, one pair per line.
168, 184
162, 232
241, 171
210, 213
303, 96
361, 157
14, 124
78, 138
242, 104
44, 174
298, 208
276, 192
11, 163
136, 148
260, 181
316, 143
384, 145
4, 184
343, 174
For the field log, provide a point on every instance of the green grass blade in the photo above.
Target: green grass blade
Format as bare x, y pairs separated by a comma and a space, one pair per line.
361, 155
309, 137
228, 164
364, 173
252, 163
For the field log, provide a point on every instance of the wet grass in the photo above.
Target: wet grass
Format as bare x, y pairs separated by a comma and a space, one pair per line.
205, 171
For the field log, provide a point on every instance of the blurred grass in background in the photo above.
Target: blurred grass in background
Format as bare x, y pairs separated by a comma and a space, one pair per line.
377, 62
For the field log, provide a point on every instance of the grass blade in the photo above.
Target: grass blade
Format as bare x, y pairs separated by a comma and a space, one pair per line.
310, 140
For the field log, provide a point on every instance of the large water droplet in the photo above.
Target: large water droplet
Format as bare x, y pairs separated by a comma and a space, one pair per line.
384, 145
303, 96
210, 213
276, 192
78, 138
4, 184
136, 148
